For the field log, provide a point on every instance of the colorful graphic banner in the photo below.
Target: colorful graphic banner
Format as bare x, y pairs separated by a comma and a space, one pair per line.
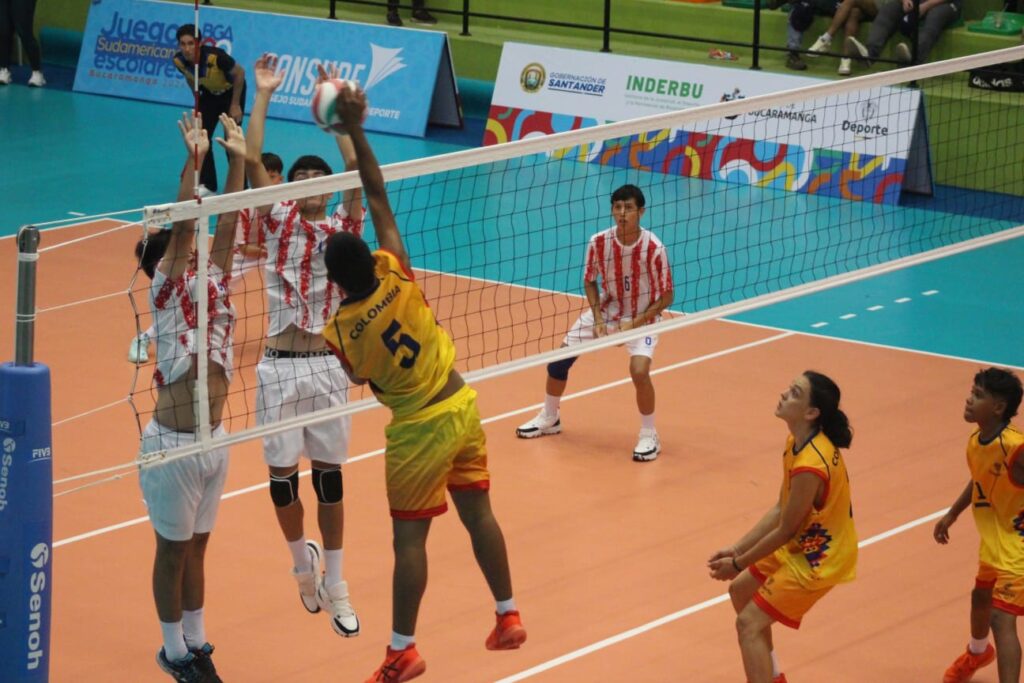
854, 146
129, 45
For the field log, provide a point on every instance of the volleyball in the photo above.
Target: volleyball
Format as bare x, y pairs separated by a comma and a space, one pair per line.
324, 113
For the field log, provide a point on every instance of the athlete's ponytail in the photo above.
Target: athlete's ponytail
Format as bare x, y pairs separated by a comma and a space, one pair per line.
831, 420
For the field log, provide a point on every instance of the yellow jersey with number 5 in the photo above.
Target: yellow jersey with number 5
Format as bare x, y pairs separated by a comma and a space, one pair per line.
391, 338
998, 501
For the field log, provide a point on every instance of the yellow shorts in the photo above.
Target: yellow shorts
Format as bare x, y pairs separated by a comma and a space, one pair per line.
441, 446
781, 594
1007, 588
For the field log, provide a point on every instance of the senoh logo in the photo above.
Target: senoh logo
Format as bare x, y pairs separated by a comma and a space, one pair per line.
40, 557
6, 460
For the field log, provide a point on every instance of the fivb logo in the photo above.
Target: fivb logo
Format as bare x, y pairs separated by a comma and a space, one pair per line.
40, 557
300, 73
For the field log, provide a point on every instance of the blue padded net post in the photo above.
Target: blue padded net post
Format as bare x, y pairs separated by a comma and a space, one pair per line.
26, 491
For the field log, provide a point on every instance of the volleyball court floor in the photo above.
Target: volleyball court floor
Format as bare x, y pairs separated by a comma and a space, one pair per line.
608, 555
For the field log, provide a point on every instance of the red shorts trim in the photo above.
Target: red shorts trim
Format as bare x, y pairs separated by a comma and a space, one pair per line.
482, 485
774, 613
1008, 607
420, 514
984, 584
756, 573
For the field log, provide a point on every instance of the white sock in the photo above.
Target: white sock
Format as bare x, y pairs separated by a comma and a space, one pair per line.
194, 628
647, 421
150, 332
826, 38
300, 556
174, 641
776, 671
977, 645
551, 404
332, 566
400, 642
504, 606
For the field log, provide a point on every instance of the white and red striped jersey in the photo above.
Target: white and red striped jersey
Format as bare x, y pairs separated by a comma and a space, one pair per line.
632, 277
298, 290
175, 320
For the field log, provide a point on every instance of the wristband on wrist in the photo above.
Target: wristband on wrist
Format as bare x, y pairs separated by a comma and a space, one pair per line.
735, 564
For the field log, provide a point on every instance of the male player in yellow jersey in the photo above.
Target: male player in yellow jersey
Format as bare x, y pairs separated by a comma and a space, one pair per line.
996, 493
384, 333
806, 543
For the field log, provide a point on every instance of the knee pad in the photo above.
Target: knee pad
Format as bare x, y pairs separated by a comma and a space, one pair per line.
560, 368
284, 490
328, 486
801, 16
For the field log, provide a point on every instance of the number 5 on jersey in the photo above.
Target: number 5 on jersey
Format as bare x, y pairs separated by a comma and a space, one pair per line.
403, 339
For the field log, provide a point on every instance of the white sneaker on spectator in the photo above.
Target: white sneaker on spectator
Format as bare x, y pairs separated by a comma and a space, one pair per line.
310, 582
854, 45
334, 599
822, 44
204, 191
647, 446
5, 76
36, 80
902, 52
138, 352
844, 66
542, 425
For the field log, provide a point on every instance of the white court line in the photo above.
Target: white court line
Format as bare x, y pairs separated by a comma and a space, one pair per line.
495, 418
77, 214
888, 347
692, 609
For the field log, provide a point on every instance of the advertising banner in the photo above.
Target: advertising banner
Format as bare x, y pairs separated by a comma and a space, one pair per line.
853, 146
129, 45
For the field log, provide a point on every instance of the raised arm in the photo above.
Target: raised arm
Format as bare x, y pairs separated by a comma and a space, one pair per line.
350, 105
179, 248
268, 78
351, 199
222, 251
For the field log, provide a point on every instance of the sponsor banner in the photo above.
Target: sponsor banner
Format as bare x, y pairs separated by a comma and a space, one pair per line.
129, 45
853, 146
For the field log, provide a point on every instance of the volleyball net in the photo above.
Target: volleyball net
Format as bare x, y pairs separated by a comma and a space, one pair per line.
755, 200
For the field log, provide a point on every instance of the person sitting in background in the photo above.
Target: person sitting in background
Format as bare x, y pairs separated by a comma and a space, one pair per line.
17, 15
931, 19
801, 16
847, 18
420, 15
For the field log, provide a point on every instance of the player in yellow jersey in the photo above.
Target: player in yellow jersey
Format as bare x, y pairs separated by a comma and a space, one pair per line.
384, 333
996, 493
806, 543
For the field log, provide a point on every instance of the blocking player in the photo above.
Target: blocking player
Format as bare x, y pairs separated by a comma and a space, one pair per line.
182, 496
298, 374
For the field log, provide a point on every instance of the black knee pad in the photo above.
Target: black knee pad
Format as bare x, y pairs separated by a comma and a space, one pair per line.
560, 368
284, 490
328, 486
801, 16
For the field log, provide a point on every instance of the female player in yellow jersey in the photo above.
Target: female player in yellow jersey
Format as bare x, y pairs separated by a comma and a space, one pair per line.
806, 543
996, 493
384, 333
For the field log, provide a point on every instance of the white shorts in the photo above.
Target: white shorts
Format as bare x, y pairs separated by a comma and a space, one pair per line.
286, 387
182, 496
583, 330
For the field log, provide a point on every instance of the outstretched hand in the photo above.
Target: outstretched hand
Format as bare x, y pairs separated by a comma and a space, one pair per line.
233, 140
328, 75
197, 142
268, 78
351, 106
